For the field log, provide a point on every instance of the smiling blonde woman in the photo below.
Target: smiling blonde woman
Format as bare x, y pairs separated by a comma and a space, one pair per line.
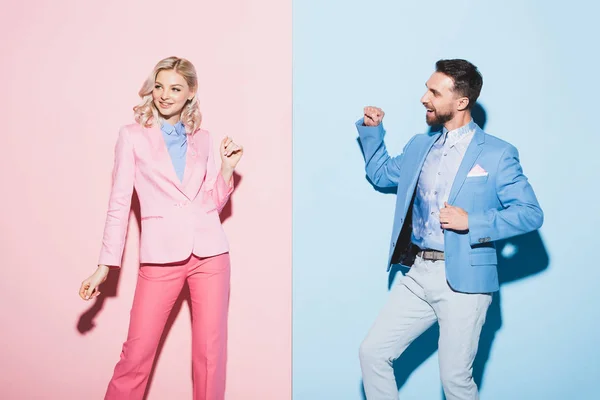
169, 161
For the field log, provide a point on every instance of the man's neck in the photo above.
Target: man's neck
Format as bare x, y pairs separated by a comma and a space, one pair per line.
458, 121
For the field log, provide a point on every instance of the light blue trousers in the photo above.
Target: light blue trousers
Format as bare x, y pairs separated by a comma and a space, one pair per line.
416, 301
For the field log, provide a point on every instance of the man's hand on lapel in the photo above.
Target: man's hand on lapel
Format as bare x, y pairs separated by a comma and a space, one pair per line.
454, 218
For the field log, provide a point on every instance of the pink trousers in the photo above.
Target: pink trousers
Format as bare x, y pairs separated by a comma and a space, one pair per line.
158, 288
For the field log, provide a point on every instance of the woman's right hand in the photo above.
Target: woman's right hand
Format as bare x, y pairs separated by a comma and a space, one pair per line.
89, 287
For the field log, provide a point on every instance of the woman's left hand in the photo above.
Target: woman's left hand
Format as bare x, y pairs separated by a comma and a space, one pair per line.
231, 153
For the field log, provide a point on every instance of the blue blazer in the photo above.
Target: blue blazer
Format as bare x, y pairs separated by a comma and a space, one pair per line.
500, 205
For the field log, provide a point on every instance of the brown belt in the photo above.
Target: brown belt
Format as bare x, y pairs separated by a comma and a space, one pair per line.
432, 255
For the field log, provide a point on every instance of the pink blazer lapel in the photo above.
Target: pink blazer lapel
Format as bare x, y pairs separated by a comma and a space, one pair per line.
161, 156
193, 174
191, 181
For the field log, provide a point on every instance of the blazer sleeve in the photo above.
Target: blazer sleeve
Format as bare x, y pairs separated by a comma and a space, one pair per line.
382, 170
119, 204
215, 188
520, 212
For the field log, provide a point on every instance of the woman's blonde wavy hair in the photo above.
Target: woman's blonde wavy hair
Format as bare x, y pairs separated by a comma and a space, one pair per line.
146, 113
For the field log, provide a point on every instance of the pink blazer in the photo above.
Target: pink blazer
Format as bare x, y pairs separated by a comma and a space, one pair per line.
178, 218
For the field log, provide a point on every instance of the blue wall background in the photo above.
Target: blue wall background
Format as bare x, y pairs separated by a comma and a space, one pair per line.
540, 67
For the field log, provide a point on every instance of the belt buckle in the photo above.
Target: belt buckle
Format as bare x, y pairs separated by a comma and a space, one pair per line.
432, 255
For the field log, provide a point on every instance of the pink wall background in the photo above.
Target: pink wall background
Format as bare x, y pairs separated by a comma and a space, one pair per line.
70, 73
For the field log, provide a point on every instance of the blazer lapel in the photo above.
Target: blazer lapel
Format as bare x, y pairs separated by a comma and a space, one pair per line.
473, 151
422, 156
191, 157
163, 158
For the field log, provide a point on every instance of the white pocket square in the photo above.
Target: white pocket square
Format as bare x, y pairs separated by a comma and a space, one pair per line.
477, 171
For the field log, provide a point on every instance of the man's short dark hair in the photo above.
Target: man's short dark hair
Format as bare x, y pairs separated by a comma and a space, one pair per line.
467, 79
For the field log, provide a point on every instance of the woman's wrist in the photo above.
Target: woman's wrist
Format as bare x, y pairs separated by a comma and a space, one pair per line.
227, 172
103, 268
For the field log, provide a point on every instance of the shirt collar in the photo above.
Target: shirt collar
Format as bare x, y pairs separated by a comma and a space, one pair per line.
178, 129
457, 134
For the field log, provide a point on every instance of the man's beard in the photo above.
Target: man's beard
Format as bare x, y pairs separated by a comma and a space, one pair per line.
437, 118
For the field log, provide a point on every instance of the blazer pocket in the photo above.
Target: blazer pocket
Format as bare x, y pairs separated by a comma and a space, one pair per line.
476, 179
484, 257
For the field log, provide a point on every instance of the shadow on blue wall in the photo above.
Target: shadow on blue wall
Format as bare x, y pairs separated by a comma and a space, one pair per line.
518, 258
